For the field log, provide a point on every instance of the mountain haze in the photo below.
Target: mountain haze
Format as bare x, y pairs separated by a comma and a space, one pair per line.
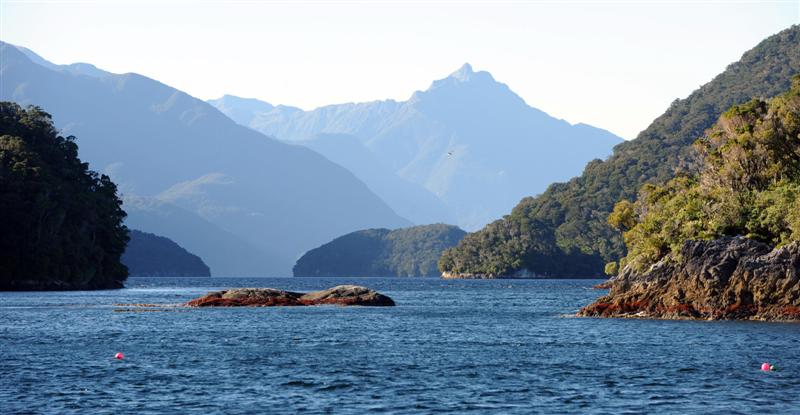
160, 143
467, 139
410, 200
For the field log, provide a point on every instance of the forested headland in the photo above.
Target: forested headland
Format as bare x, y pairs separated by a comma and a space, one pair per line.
61, 224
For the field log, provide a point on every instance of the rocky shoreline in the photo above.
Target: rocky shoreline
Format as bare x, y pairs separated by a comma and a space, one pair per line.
519, 275
345, 295
731, 278
466, 276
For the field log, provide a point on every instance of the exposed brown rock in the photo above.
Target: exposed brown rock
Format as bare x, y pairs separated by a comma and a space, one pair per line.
348, 295
270, 297
728, 278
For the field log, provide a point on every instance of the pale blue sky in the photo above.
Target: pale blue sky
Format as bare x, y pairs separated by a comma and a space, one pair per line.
613, 64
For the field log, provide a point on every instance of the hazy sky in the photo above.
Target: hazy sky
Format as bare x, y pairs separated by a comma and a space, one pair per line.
613, 64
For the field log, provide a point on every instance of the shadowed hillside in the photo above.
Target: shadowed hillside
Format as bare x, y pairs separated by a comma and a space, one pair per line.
149, 255
408, 252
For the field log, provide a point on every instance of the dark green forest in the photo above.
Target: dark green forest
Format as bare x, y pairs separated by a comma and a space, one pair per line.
61, 224
407, 252
564, 231
149, 255
749, 185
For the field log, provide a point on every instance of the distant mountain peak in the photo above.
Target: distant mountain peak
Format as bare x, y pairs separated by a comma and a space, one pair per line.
464, 73
463, 79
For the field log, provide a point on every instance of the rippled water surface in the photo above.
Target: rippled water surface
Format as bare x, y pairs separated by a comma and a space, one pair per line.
449, 346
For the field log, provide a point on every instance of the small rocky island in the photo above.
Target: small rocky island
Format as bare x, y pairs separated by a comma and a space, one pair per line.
345, 295
723, 243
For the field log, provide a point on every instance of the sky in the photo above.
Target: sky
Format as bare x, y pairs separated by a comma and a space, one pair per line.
612, 64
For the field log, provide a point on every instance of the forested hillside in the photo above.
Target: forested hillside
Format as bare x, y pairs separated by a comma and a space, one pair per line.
564, 232
749, 185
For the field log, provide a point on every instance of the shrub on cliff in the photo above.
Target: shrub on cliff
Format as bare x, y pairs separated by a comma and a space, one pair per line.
749, 185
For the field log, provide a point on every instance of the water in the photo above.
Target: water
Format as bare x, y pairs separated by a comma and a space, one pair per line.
448, 347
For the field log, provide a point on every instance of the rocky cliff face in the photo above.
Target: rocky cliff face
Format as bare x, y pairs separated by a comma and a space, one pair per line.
723, 279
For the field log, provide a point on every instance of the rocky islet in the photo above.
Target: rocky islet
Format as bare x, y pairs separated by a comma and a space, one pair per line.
345, 295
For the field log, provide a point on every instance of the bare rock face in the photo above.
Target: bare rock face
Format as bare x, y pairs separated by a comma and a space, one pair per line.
270, 297
723, 279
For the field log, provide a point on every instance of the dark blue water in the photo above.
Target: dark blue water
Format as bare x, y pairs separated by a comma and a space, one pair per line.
448, 347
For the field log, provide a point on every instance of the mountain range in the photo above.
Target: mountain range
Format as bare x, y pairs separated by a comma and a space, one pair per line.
190, 173
463, 151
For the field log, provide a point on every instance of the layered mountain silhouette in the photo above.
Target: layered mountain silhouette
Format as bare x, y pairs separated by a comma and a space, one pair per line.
468, 139
191, 164
410, 200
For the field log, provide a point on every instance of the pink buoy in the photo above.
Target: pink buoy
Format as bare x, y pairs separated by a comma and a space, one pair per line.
119, 356
766, 367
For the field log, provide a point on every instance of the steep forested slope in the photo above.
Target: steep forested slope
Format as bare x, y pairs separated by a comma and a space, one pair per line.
564, 231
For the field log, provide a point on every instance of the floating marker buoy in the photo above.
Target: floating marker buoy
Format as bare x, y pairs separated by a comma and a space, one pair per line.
119, 356
766, 367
